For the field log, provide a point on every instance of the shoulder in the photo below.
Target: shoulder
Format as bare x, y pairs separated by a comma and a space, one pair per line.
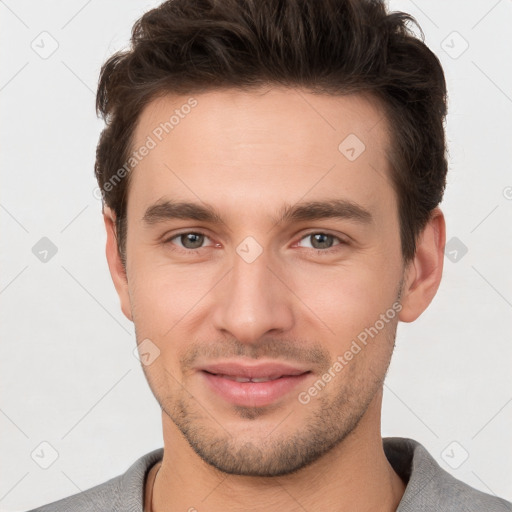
120, 494
430, 487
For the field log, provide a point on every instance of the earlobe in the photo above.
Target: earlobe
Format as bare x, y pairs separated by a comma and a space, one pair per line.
115, 264
424, 272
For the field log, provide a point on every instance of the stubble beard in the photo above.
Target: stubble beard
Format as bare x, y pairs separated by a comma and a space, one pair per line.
279, 451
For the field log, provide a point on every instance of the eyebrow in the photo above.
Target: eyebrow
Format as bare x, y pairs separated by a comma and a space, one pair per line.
306, 211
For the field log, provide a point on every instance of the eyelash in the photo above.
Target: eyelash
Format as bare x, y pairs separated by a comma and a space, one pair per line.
322, 252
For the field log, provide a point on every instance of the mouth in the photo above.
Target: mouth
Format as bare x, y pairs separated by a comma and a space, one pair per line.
252, 385
246, 379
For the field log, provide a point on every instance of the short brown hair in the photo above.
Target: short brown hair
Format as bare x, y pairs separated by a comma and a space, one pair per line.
333, 47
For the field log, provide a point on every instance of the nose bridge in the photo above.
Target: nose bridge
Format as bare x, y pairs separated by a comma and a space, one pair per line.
252, 300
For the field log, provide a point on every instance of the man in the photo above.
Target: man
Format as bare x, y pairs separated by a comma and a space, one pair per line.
271, 174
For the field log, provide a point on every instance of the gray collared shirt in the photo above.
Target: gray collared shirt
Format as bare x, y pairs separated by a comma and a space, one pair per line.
429, 487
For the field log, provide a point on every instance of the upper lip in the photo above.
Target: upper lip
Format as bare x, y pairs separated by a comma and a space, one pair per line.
253, 371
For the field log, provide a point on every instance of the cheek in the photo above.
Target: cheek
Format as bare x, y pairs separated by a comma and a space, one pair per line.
163, 295
347, 298
159, 312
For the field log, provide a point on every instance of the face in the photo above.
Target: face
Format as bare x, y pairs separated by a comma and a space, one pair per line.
263, 271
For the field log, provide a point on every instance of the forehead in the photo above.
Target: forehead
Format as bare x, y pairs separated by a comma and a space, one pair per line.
257, 115
270, 143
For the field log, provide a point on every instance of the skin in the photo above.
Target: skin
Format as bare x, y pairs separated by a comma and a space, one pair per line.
247, 154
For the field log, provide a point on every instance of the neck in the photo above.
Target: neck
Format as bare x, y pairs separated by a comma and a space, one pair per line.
353, 476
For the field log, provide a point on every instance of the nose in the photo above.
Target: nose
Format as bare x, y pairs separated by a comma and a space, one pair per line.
253, 300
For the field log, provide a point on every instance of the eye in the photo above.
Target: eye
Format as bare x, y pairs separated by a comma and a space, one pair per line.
323, 242
188, 241
192, 241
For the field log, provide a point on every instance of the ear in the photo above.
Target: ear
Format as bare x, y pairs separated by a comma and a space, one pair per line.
424, 272
115, 264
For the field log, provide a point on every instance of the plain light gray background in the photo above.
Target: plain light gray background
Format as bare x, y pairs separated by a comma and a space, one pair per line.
69, 377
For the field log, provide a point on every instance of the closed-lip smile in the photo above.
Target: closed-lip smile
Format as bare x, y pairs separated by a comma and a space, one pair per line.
255, 384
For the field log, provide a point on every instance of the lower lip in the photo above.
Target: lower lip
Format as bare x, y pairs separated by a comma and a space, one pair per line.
253, 394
